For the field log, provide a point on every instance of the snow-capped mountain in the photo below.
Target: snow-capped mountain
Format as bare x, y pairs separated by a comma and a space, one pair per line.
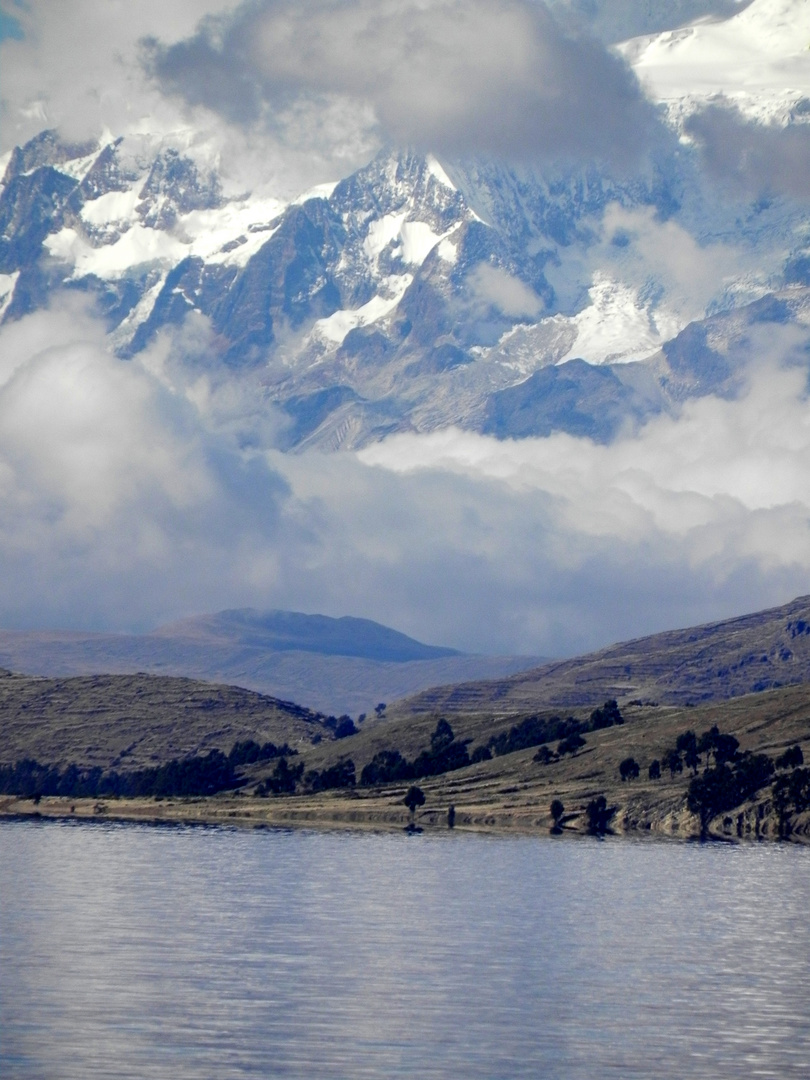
415, 294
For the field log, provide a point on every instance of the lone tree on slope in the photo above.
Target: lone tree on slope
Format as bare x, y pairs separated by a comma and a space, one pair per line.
414, 797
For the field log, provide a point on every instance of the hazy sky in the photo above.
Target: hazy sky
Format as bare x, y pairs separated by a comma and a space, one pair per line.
136, 493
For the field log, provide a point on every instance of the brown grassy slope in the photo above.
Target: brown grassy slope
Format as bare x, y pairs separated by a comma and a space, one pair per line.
766, 722
704, 663
513, 790
129, 721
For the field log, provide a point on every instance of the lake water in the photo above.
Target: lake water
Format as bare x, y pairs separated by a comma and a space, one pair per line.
132, 951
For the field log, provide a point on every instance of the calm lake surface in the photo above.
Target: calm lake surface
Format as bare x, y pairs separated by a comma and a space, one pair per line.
138, 951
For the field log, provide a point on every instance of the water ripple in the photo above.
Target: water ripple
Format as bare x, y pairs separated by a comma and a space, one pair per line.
140, 952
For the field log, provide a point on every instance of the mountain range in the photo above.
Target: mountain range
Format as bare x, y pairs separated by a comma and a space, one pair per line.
417, 294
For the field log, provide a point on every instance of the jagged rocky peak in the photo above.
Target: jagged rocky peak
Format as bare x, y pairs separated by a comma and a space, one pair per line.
174, 187
108, 173
44, 149
400, 182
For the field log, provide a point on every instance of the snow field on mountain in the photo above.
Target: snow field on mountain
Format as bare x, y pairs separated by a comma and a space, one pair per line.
759, 57
616, 327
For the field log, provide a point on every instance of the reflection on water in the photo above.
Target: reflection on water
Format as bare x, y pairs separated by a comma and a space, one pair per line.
136, 952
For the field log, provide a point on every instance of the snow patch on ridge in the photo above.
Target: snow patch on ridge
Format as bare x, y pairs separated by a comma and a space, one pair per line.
381, 232
435, 170
616, 327
246, 225
335, 328
78, 168
124, 332
320, 191
230, 234
416, 238
138, 246
8, 283
111, 208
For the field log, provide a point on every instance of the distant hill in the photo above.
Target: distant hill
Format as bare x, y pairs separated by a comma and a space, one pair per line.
293, 631
132, 721
720, 660
332, 665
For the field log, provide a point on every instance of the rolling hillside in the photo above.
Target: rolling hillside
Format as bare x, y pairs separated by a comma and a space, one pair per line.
756, 652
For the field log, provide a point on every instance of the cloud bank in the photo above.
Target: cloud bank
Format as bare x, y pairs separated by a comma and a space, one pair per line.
135, 493
77, 65
498, 77
750, 157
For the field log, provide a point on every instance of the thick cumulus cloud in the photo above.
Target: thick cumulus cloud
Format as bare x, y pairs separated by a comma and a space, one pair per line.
112, 488
76, 65
72, 64
750, 157
138, 492
499, 77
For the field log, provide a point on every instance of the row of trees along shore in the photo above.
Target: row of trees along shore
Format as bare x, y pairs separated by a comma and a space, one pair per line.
216, 771
728, 779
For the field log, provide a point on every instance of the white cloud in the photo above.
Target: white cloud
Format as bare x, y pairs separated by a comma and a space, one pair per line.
501, 78
79, 68
136, 492
494, 286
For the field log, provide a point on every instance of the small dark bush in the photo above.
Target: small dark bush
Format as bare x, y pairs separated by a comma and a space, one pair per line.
570, 745
629, 769
441, 737
607, 716
414, 797
791, 758
480, 753
340, 775
345, 728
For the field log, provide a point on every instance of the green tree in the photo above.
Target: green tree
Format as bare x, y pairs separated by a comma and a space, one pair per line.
672, 761
557, 810
606, 716
792, 757
414, 797
598, 815
687, 744
442, 737
570, 744
345, 727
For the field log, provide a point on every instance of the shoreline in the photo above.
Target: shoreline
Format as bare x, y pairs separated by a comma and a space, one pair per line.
750, 825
